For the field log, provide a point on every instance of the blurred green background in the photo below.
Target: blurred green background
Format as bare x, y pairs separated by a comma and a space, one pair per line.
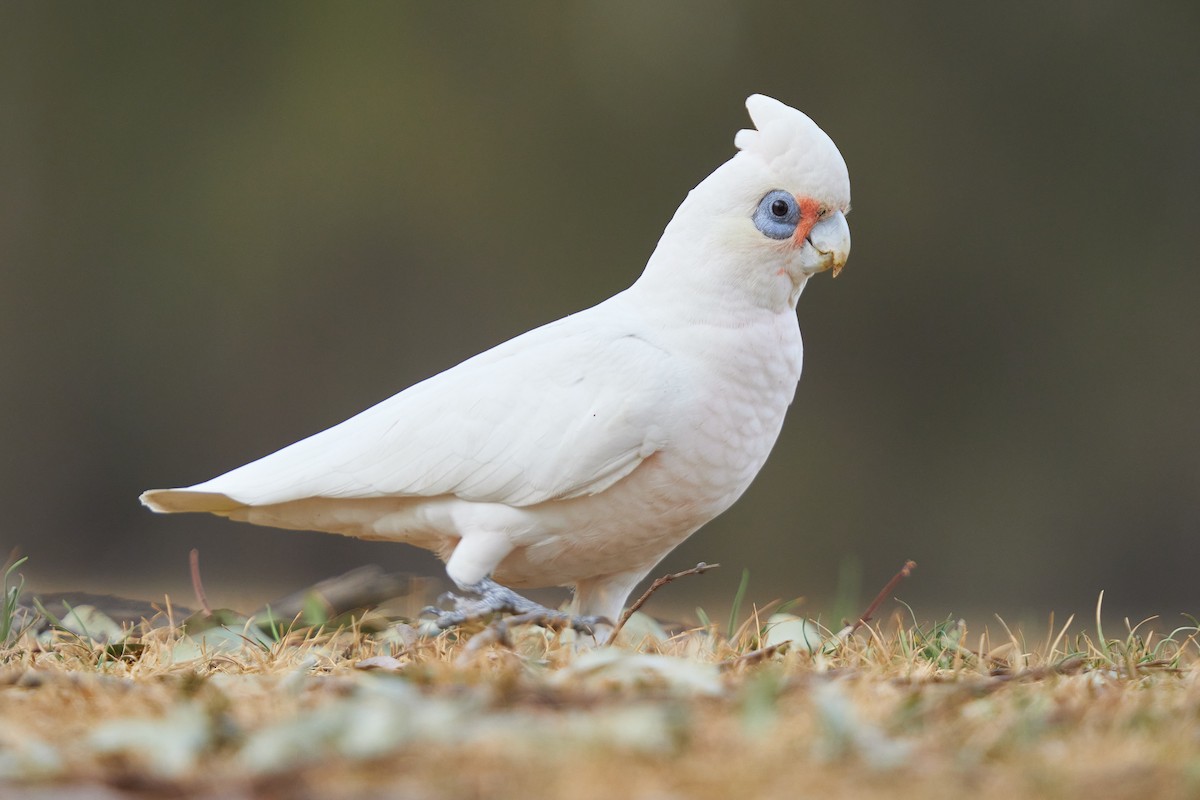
226, 226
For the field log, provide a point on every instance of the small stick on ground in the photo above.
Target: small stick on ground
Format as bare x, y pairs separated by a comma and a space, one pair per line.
699, 569
754, 656
904, 572
358, 589
197, 586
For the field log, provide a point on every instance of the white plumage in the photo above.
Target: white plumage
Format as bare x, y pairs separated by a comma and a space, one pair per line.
580, 453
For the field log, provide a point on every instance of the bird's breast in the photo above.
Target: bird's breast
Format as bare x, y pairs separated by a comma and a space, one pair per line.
742, 382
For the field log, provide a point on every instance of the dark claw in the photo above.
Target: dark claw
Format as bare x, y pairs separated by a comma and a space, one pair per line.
450, 619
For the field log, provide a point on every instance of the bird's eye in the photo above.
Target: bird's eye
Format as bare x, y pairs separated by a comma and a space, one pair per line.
777, 215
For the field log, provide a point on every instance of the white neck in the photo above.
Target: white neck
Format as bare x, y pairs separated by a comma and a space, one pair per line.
717, 267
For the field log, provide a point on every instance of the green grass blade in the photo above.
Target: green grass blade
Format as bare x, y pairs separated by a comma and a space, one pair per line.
736, 611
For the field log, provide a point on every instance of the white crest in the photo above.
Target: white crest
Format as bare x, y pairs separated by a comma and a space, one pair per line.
792, 145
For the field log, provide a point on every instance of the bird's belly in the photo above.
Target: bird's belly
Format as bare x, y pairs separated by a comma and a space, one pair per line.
640, 519
630, 526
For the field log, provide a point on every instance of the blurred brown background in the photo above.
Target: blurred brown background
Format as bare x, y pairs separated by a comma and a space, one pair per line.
226, 226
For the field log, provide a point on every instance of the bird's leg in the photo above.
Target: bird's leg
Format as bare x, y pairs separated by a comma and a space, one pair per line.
488, 598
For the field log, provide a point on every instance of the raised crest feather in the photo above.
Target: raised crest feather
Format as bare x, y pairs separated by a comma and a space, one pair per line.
777, 126
794, 146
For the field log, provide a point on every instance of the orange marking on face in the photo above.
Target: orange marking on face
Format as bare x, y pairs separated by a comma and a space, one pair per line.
809, 211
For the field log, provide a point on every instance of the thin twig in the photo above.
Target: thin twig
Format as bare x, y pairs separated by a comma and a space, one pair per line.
904, 572
699, 569
1067, 666
754, 656
197, 586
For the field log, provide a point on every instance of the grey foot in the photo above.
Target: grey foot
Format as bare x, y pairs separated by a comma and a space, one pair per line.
489, 598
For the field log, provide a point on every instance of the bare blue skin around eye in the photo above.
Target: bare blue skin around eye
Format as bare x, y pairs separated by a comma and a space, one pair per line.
773, 226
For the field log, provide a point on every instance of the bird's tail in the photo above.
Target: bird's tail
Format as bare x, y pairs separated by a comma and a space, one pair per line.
171, 501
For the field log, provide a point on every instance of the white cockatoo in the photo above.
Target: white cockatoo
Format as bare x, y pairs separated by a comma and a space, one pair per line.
582, 452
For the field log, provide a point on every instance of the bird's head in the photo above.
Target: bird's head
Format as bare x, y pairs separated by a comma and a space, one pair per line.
769, 218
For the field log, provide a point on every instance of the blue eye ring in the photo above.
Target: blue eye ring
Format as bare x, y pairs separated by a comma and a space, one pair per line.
777, 215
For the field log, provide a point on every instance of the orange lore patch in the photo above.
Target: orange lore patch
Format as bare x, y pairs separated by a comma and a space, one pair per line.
809, 209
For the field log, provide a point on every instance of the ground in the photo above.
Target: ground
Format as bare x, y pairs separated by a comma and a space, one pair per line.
366, 705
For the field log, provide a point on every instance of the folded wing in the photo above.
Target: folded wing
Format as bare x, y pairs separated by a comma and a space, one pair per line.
563, 411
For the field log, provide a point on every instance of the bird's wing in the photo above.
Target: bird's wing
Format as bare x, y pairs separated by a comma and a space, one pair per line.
563, 411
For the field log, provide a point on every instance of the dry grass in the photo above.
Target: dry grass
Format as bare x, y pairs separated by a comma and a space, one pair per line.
894, 710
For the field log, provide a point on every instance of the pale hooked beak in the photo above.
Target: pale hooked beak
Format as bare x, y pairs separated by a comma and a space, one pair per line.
831, 239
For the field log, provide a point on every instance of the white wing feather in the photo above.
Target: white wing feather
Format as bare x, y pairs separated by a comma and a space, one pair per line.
562, 411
